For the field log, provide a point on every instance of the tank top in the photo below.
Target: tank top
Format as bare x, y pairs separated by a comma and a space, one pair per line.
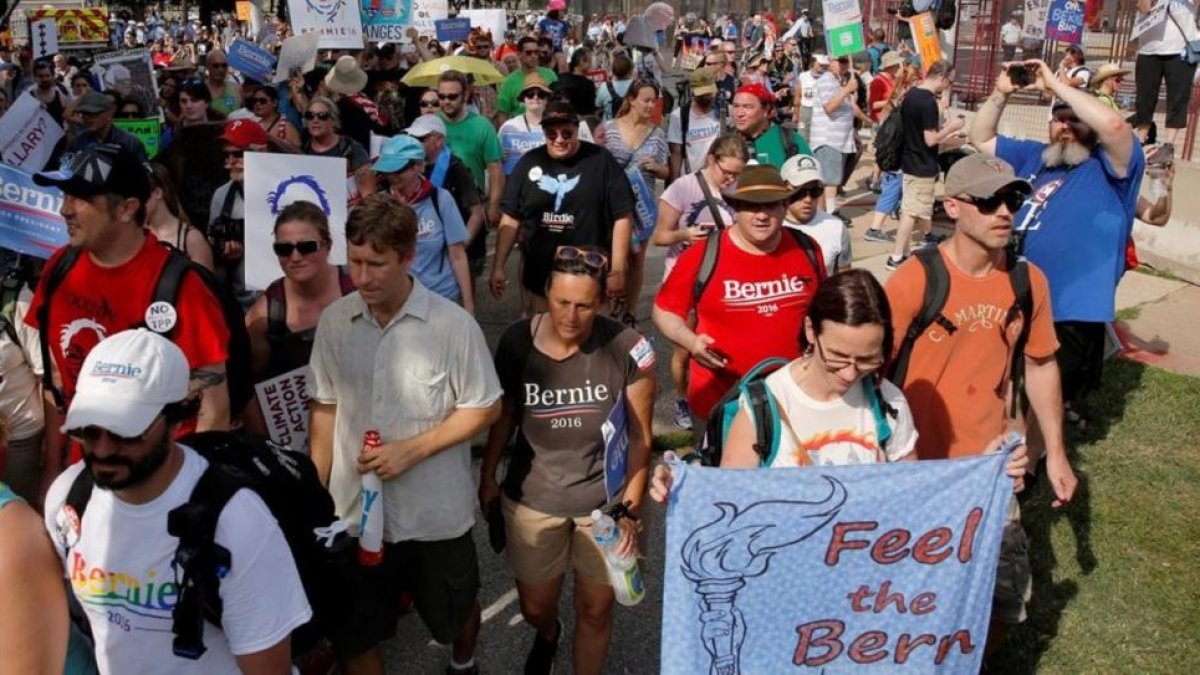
291, 349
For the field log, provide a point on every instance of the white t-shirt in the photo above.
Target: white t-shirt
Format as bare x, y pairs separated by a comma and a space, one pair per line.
702, 131
837, 432
836, 129
20, 375
808, 83
833, 236
1166, 38
1010, 34
120, 570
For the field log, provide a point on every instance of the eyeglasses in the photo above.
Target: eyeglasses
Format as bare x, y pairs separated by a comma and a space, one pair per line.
323, 116
284, 249
535, 93
728, 174
429, 103
813, 192
234, 154
1012, 200
594, 261
449, 97
560, 134
257, 100
837, 365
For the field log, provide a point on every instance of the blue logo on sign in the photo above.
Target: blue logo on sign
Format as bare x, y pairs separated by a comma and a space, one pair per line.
275, 196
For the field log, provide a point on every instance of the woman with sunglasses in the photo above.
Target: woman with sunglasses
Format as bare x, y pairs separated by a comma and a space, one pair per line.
166, 219
264, 103
524, 132
321, 121
564, 372
636, 141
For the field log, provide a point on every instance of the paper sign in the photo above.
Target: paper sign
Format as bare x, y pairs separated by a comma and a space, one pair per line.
148, 131
130, 73
28, 134
598, 76
1036, 14
251, 60
43, 37
1066, 21
274, 181
29, 215
884, 568
925, 35
615, 431
284, 404
845, 40
336, 21
491, 21
297, 53
1145, 22
841, 12
452, 30
514, 144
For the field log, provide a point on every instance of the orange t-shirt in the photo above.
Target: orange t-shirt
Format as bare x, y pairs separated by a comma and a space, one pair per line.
956, 382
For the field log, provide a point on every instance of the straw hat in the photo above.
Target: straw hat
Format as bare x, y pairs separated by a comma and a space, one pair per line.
1106, 71
346, 77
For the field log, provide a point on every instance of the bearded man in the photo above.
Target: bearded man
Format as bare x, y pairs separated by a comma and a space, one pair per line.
1076, 223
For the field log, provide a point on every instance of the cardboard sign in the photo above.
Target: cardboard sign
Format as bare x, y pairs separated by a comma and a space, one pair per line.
336, 21
389, 20
297, 53
1036, 14
148, 131
243, 10
274, 181
1066, 21
452, 30
28, 134
29, 215
876, 567
284, 404
43, 37
251, 60
130, 73
925, 35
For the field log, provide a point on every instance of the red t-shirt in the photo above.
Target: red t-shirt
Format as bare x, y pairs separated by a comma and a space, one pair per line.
880, 90
753, 307
94, 302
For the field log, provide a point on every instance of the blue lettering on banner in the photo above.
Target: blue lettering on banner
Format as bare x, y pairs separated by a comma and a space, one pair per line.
449, 30
615, 431
646, 206
251, 60
831, 568
1064, 22
30, 222
514, 144
386, 20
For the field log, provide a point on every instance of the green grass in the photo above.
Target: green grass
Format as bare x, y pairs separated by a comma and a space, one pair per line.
1129, 313
1117, 574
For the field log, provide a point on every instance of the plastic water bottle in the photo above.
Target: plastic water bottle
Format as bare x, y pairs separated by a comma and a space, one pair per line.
370, 525
623, 571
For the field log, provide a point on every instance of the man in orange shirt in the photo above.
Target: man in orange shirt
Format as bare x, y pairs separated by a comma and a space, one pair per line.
958, 377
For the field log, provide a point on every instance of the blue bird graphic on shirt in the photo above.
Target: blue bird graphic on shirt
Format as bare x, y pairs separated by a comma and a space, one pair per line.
558, 186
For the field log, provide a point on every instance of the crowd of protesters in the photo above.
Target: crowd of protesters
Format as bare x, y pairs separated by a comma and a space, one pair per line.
547, 149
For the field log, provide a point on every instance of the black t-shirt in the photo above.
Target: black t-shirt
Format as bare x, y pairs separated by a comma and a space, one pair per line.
557, 462
920, 114
564, 202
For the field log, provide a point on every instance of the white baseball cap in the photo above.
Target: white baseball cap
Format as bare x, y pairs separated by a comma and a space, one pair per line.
425, 125
821, 59
801, 169
126, 380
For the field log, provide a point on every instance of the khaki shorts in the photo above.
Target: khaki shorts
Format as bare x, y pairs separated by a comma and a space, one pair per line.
1014, 575
539, 545
918, 197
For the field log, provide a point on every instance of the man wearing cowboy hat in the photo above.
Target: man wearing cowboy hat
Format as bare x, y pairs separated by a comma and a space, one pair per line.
1106, 82
358, 113
759, 290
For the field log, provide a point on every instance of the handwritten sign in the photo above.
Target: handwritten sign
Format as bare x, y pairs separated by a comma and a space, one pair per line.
28, 134
824, 569
336, 21
29, 215
284, 404
1066, 21
1037, 12
452, 30
148, 131
251, 60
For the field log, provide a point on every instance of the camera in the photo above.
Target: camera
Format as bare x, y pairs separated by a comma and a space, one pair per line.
1021, 75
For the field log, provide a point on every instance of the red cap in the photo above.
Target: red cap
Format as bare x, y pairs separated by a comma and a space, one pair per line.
243, 133
758, 91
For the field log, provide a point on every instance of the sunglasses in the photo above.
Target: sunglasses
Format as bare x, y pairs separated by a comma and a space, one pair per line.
284, 249
89, 435
813, 192
560, 134
323, 116
594, 261
449, 97
429, 103
1011, 199
535, 93
234, 154
257, 100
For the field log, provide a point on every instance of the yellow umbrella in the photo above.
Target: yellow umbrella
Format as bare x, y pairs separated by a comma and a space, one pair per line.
426, 74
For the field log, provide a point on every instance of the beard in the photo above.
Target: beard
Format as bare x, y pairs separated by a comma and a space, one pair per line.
1065, 153
138, 471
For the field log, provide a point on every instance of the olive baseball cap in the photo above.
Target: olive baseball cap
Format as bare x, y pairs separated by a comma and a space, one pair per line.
703, 81
982, 175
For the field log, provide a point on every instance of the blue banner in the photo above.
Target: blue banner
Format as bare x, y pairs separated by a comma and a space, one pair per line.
616, 447
30, 222
449, 30
251, 60
646, 206
514, 144
829, 569
386, 20
1064, 23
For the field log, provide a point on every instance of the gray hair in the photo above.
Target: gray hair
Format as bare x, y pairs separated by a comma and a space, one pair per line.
331, 106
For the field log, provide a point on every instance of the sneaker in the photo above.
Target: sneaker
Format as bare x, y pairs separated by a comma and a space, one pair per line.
683, 414
876, 234
541, 655
893, 263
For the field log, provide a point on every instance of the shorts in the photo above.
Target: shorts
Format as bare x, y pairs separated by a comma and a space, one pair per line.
1014, 575
443, 577
917, 200
833, 164
539, 545
1080, 357
891, 189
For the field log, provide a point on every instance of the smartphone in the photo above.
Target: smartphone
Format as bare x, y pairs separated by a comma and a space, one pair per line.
1021, 75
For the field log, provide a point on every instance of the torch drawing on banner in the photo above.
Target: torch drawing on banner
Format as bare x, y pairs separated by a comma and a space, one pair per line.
719, 556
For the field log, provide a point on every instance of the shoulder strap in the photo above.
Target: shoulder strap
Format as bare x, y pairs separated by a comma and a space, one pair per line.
80, 493
763, 419
711, 201
435, 197
880, 410
440, 167
53, 281
937, 290
685, 110
1018, 277
809, 246
230, 198
708, 264
170, 280
276, 308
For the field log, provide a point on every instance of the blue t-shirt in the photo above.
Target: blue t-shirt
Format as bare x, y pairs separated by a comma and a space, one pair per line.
434, 238
555, 29
1076, 225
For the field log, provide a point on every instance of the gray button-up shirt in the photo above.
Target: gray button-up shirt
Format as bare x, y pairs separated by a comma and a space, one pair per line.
403, 379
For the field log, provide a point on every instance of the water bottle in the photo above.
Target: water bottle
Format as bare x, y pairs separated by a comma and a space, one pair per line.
370, 525
623, 571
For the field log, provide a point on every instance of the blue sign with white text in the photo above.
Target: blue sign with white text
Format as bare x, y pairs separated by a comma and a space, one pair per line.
251, 60
450, 30
833, 568
1064, 22
29, 215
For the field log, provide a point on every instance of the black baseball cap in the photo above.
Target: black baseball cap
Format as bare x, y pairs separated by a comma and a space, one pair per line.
560, 112
101, 169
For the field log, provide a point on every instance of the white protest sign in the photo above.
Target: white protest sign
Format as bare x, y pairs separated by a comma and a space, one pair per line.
284, 404
28, 134
337, 21
298, 52
492, 20
44, 36
1144, 22
273, 182
1036, 13
425, 12
841, 12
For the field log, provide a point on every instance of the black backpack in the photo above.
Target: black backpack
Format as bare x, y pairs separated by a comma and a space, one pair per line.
237, 366
889, 141
287, 483
937, 291
944, 17
614, 99
712, 251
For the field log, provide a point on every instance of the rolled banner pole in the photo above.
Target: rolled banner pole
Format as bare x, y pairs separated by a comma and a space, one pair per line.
720, 595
